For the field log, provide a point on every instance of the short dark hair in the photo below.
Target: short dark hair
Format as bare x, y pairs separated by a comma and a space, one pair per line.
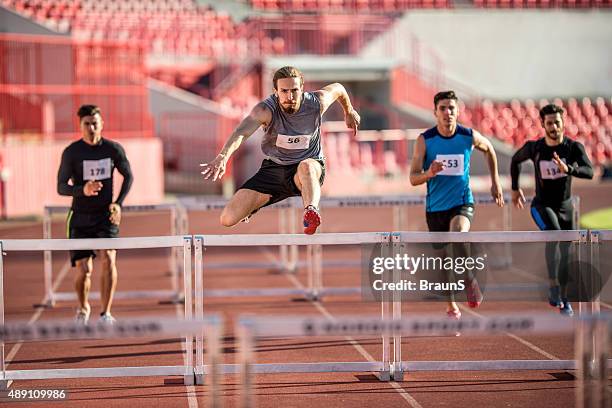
444, 95
287, 72
550, 109
88, 110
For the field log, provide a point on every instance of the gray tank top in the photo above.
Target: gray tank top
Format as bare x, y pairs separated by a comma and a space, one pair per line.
291, 138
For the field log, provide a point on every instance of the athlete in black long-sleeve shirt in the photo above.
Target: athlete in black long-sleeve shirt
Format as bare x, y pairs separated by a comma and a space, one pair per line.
89, 164
556, 159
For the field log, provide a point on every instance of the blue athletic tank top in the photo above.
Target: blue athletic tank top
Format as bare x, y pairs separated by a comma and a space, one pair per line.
451, 187
291, 138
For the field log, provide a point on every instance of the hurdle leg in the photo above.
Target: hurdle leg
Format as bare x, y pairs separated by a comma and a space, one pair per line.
4, 384
507, 226
188, 377
176, 256
592, 356
310, 270
398, 218
293, 256
199, 309
48, 262
318, 271
247, 345
385, 374
283, 249
213, 340
397, 370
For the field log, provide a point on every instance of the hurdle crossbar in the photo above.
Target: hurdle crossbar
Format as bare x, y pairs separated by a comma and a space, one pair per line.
184, 242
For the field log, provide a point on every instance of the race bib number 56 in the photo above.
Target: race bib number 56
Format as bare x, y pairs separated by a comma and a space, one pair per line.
293, 142
96, 169
453, 164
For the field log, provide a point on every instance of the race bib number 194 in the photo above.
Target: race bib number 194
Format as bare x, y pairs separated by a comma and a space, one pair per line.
549, 170
96, 169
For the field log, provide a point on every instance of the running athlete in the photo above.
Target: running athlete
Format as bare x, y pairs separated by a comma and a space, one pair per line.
556, 159
442, 160
295, 164
89, 163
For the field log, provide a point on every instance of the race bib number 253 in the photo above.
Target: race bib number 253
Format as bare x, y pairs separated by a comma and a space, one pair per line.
453, 164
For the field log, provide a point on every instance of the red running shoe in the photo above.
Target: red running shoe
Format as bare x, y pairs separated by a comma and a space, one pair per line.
312, 219
474, 295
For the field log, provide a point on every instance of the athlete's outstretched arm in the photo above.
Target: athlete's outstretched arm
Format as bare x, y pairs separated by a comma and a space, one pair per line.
484, 145
581, 166
417, 175
260, 115
522, 154
337, 92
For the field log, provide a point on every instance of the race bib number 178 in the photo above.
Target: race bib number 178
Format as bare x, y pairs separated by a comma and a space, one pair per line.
96, 169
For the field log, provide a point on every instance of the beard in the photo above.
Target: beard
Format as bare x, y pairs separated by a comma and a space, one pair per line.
289, 108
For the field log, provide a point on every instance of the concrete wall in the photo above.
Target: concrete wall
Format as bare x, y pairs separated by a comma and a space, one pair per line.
11, 22
515, 54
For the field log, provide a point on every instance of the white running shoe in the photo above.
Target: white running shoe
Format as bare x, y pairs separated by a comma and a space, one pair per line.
107, 318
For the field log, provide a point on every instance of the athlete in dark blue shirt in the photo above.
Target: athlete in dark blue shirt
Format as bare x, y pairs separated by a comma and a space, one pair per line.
556, 159
89, 164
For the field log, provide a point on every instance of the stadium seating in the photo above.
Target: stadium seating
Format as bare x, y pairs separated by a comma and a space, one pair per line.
179, 27
580, 4
587, 120
344, 6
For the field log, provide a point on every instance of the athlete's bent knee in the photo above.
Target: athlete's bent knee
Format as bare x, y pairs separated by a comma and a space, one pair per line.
308, 167
227, 220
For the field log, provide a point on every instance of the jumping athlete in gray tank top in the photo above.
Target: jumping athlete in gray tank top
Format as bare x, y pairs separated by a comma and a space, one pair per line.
295, 164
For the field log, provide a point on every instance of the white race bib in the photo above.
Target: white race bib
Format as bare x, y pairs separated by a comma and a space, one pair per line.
293, 142
453, 164
549, 170
96, 169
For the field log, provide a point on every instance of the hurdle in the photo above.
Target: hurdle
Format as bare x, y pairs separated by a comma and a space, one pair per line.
591, 378
390, 244
400, 240
289, 255
249, 240
178, 226
182, 242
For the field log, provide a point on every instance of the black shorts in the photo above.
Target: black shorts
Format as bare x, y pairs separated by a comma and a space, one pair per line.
82, 225
439, 221
551, 218
277, 180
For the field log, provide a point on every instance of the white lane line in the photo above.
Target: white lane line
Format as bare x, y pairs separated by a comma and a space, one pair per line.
515, 337
401, 391
58, 280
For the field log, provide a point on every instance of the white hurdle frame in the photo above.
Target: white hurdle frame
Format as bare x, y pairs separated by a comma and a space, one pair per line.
202, 241
396, 366
252, 328
184, 242
577, 236
178, 226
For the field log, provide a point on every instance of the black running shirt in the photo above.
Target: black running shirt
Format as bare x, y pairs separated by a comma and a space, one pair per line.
82, 162
552, 186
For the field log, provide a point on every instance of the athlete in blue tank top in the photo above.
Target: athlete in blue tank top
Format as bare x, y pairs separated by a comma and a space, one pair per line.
295, 165
442, 160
